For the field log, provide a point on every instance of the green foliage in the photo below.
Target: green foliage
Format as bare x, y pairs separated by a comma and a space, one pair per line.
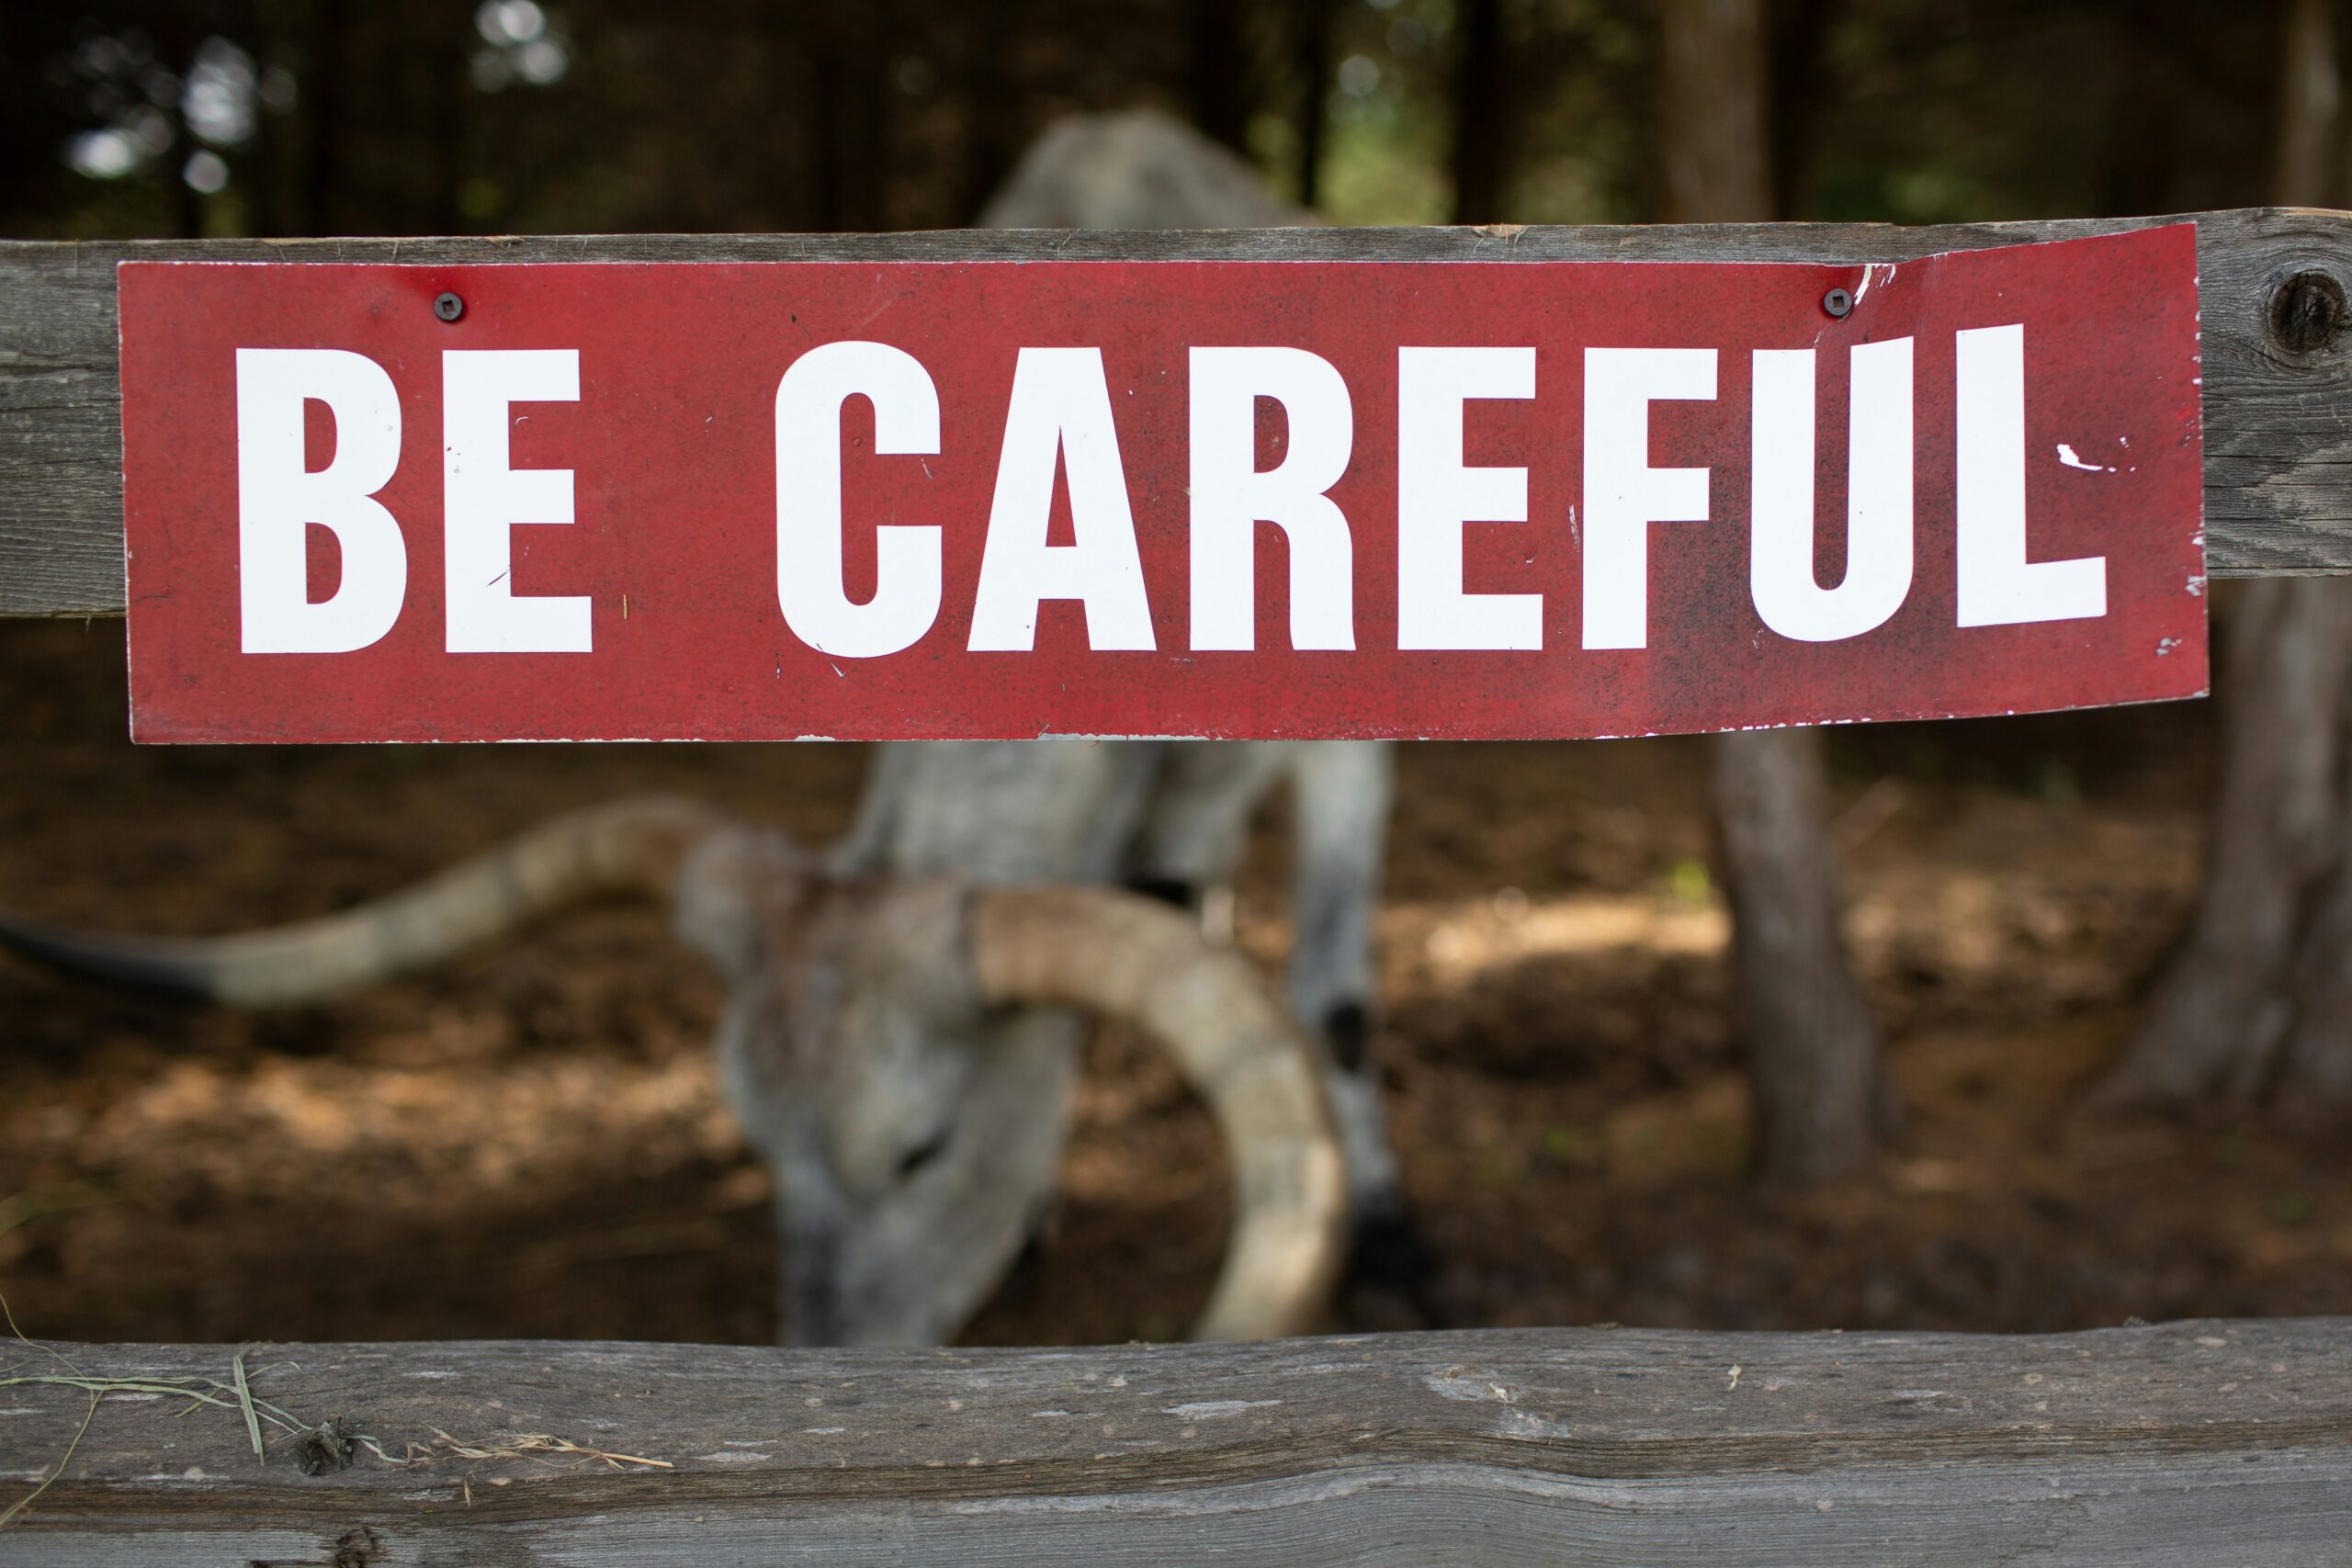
153, 116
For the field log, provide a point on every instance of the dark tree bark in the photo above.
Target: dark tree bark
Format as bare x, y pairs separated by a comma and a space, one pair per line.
848, 102
991, 129
2259, 1003
188, 202
2246, 1003
2310, 104
1220, 93
1821, 1098
1481, 115
271, 167
177, 47
322, 109
1799, 31
1311, 58
447, 93
2315, 1064
2142, 155
1820, 1095
1717, 135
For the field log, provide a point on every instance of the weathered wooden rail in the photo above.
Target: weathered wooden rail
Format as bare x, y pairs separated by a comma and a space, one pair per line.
2274, 283
2195, 1444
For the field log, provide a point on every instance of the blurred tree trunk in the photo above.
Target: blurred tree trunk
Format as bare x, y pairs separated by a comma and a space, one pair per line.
176, 44
1821, 1098
1716, 134
272, 168
1481, 115
188, 202
1799, 32
448, 92
991, 122
848, 100
2142, 148
1220, 94
1822, 1102
2259, 1001
325, 67
1312, 61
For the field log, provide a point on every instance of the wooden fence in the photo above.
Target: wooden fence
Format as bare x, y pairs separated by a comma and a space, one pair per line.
2193, 1444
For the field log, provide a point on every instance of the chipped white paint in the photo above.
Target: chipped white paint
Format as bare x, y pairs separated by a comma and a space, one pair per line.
1211, 1409
1527, 1424
2067, 456
1467, 1383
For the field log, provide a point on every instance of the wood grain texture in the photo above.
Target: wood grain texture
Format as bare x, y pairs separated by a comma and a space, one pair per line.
2190, 1444
2278, 418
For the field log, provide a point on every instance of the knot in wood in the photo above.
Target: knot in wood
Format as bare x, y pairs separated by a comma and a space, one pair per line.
2305, 311
323, 1449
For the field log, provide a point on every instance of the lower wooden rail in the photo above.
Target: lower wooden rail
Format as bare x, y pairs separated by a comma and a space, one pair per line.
2195, 1444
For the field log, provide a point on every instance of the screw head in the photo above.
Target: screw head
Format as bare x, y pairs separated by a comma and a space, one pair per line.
448, 306
1838, 302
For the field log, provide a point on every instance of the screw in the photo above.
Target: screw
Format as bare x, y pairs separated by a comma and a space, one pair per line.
2306, 311
1839, 303
448, 306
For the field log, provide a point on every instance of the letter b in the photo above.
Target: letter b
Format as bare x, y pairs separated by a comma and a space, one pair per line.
279, 498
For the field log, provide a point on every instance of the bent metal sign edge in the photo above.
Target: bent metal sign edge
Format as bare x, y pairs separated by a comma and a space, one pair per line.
986, 500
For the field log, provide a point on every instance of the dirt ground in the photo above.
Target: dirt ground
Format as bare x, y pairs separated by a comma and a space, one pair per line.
531, 1142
